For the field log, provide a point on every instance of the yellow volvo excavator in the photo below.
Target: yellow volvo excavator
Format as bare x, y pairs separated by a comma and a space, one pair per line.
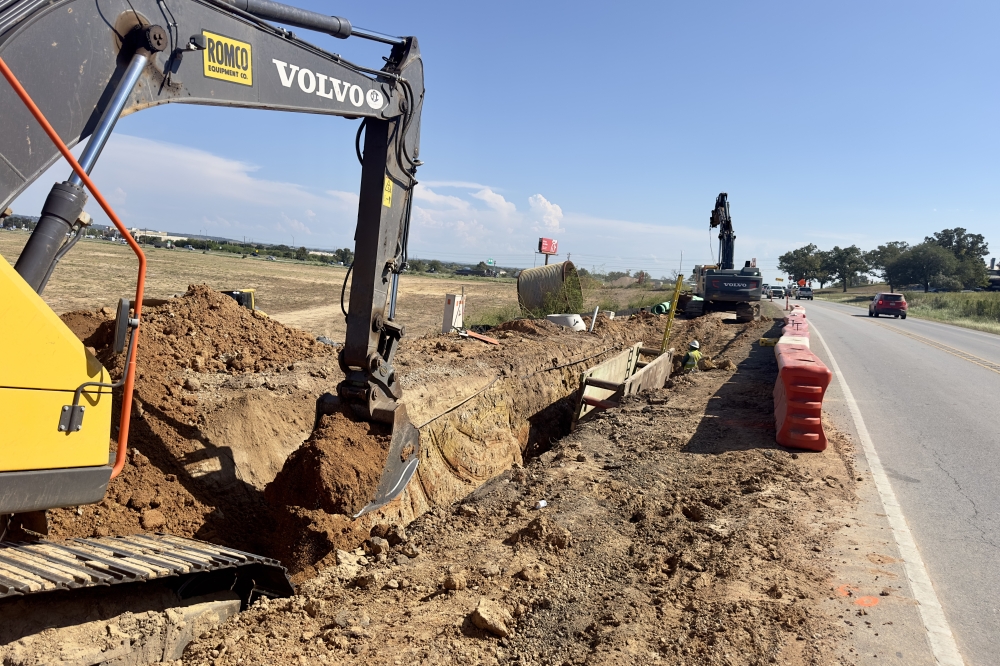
71, 68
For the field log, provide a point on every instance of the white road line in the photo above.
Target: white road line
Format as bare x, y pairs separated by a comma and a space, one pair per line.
939, 634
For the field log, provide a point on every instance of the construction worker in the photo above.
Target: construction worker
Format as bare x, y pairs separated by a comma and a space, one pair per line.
691, 358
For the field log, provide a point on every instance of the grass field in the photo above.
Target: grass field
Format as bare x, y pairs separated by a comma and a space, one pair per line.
977, 310
306, 295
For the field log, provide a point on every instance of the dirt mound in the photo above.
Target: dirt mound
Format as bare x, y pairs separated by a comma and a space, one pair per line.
84, 323
529, 326
675, 532
209, 374
336, 470
224, 396
207, 331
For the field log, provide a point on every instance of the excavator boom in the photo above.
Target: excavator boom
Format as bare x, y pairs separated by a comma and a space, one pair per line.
86, 63
724, 287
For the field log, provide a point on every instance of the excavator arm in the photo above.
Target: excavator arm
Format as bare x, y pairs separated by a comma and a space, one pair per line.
86, 63
727, 237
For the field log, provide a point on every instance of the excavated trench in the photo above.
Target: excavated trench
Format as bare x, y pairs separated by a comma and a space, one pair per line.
226, 445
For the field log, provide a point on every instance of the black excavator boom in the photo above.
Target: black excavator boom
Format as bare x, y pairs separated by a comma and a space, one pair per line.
722, 286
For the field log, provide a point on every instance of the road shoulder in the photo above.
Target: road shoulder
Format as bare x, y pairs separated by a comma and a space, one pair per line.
872, 594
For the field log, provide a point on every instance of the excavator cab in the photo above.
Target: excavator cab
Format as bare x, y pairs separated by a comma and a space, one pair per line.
245, 297
56, 400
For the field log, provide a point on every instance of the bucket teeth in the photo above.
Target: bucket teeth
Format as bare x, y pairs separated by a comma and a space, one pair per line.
400, 465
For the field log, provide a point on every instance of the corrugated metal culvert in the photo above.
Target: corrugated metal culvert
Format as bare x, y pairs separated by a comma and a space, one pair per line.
551, 289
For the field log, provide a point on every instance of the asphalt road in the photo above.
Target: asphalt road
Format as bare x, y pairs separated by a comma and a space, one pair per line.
929, 394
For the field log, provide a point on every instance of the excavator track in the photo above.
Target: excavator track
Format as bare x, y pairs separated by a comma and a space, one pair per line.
192, 567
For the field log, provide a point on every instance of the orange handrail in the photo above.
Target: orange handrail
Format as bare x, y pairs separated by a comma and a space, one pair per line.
140, 283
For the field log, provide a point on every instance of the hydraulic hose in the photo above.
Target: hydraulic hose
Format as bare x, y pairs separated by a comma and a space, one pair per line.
140, 284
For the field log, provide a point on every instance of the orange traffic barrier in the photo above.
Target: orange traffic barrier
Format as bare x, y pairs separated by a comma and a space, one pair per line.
796, 324
798, 397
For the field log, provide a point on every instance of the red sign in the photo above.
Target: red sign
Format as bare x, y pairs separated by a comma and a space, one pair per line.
548, 246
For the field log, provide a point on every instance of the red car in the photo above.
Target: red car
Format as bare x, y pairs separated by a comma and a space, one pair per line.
888, 304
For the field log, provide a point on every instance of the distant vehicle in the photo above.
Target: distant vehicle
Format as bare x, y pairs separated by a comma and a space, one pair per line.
888, 304
777, 291
804, 292
271, 257
188, 247
245, 297
765, 290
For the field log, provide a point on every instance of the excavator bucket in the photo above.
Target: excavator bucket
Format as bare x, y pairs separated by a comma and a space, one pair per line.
404, 455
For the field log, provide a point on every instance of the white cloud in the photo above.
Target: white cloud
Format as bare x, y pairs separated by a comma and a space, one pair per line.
461, 184
457, 220
204, 191
291, 224
495, 201
432, 198
118, 197
548, 214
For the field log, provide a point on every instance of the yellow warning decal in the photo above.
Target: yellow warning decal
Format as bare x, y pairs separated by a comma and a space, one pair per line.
387, 193
228, 59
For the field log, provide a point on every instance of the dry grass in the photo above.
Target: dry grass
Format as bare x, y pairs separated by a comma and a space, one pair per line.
979, 310
97, 273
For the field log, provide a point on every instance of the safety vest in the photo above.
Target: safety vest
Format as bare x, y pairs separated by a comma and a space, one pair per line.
691, 360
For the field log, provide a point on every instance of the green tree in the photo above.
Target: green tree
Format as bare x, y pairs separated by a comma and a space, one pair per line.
435, 265
800, 264
969, 250
822, 274
302, 254
882, 261
924, 262
843, 264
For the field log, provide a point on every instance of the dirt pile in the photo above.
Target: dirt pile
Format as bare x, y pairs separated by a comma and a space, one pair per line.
480, 409
674, 531
225, 395
208, 332
206, 369
336, 470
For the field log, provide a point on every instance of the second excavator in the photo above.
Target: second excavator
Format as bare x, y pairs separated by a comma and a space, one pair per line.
72, 69
723, 287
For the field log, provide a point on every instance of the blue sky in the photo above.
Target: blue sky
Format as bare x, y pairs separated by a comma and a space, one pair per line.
612, 127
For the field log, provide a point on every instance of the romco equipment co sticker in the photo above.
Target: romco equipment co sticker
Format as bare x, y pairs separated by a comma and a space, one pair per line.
228, 59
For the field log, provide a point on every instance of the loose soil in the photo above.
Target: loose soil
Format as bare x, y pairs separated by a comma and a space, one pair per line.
337, 469
674, 531
225, 395
207, 368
